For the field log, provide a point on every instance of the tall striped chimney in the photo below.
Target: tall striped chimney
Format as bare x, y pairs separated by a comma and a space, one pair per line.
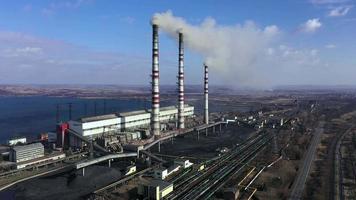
155, 124
181, 82
206, 100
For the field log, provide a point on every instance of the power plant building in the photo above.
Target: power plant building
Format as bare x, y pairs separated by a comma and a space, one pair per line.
126, 121
134, 119
89, 126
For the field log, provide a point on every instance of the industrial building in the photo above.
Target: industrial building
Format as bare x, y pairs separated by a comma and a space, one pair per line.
89, 126
183, 163
138, 119
127, 121
26, 152
50, 137
154, 189
162, 173
40, 160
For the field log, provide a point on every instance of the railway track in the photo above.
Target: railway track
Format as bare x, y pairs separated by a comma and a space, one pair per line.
231, 170
204, 184
213, 164
338, 190
218, 179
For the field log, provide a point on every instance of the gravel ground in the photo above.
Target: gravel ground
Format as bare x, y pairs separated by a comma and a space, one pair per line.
205, 147
64, 186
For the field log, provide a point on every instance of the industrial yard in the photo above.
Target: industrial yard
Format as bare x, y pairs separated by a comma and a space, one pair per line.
260, 152
184, 142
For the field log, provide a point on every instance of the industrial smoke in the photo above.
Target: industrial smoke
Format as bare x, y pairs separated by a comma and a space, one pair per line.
232, 52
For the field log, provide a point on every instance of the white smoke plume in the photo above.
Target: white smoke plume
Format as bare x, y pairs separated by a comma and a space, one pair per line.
235, 53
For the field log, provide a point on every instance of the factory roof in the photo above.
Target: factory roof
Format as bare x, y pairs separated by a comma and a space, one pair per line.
17, 138
130, 113
168, 108
27, 147
125, 114
140, 112
98, 118
174, 107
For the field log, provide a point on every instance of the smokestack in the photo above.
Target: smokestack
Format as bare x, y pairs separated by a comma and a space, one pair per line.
181, 83
155, 124
206, 100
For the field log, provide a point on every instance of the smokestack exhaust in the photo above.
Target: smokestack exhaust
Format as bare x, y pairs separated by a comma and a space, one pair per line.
181, 124
206, 100
155, 123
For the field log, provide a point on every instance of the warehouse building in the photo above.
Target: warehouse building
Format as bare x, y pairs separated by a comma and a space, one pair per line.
26, 152
41, 160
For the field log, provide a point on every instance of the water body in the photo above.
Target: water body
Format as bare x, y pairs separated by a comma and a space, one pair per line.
30, 116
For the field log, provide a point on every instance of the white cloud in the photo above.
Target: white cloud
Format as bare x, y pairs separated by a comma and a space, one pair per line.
339, 11
24, 57
295, 57
270, 51
244, 54
69, 4
235, 53
321, 2
330, 46
314, 52
271, 30
311, 25
29, 50
22, 52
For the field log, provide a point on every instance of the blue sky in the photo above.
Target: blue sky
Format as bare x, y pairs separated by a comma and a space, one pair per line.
109, 42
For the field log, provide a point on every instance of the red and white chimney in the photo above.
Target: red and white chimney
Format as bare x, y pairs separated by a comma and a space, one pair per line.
206, 99
155, 123
181, 83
